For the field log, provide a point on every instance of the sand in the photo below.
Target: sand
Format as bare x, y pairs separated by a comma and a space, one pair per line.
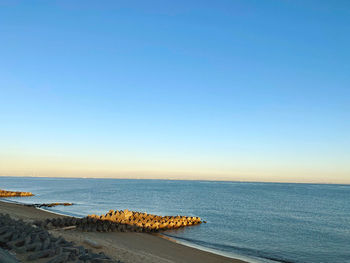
127, 247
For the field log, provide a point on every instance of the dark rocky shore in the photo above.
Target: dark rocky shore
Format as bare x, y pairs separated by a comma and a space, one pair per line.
30, 243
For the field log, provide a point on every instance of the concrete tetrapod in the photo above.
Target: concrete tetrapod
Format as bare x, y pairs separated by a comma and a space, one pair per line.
4, 193
34, 243
120, 221
147, 222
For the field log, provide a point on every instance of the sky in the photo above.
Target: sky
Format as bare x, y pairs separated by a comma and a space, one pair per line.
245, 90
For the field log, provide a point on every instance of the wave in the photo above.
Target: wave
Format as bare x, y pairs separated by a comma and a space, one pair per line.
229, 248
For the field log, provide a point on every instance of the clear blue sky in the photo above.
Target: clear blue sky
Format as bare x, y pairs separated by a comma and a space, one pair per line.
241, 90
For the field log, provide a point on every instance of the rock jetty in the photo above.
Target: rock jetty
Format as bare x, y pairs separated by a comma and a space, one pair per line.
4, 193
148, 221
121, 221
31, 243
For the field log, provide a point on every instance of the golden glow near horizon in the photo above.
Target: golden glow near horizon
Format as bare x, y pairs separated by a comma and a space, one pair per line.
241, 170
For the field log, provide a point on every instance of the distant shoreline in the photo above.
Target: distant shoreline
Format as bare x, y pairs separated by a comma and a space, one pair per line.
178, 179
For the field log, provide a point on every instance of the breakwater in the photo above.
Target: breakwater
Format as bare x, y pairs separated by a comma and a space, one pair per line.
4, 193
147, 221
121, 221
32, 243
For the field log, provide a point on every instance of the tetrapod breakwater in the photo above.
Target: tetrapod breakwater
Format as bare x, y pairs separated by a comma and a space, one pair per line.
121, 221
147, 222
4, 193
33, 243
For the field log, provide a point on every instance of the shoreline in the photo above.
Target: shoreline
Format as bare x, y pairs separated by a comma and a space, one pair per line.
127, 247
210, 250
161, 235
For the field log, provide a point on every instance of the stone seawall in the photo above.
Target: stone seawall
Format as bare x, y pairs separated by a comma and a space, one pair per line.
4, 193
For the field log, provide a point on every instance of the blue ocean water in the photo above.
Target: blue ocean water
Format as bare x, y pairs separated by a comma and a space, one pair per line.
261, 222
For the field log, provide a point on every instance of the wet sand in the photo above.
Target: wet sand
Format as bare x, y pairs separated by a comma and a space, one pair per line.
126, 247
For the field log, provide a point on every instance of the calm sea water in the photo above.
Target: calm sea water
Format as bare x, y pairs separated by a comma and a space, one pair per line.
262, 222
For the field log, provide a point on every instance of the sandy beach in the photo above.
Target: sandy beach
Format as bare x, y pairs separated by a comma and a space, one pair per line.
126, 247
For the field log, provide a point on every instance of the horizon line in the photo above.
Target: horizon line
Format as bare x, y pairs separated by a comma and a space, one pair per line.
174, 179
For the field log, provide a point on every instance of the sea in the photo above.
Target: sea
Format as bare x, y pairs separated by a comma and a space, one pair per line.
256, 222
